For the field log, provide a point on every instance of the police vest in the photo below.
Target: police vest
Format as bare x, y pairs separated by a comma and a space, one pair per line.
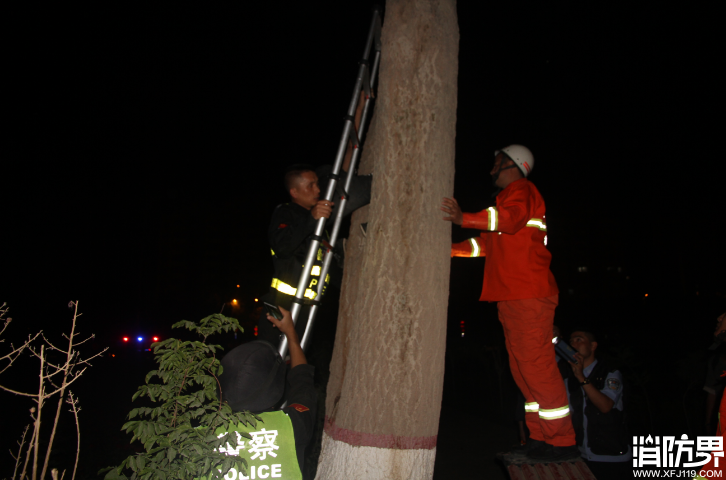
607, 433
271, 451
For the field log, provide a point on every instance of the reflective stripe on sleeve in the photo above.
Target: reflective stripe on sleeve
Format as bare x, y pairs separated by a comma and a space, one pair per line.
554, 413
532, 407
537, 223
493, 218
475, 250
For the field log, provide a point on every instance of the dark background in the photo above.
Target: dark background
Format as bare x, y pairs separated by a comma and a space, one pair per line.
145, 145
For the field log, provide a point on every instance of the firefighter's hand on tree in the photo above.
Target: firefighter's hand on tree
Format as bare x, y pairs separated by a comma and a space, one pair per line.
451, 207
720, 324
322, 209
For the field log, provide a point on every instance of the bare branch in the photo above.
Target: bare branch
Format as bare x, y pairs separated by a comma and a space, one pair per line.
84, 341
41, 391
60, 389
20, 451
75, 409
53, 347
19, 393
30, 446
11, 356
81, 362
70, 355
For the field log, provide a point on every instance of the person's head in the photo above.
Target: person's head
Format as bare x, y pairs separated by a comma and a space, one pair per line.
511, 164
253, 377
301, 183
584, 342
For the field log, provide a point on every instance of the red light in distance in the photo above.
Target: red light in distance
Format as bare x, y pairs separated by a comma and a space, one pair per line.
126, 339
156, 339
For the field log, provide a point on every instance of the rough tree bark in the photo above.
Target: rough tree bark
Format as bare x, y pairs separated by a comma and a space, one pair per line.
384, 393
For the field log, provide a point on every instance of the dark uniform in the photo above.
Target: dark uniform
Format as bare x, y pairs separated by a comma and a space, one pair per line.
253, 379
289, 235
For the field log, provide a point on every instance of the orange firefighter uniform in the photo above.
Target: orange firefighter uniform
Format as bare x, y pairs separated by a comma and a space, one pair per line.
716, 463
517, 276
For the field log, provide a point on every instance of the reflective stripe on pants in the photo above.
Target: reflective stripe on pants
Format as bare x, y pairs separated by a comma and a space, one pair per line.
528, 333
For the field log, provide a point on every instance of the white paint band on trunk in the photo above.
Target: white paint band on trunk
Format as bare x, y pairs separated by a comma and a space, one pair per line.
372, 463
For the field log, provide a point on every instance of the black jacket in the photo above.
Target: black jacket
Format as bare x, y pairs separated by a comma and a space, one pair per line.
302, 399
289, 231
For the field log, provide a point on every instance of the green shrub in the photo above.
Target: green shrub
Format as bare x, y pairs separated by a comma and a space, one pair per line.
177, 430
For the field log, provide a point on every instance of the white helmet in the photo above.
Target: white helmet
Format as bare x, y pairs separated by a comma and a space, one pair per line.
521, 156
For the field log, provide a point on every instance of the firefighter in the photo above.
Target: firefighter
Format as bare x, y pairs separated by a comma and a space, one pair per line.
517, 276
292, 226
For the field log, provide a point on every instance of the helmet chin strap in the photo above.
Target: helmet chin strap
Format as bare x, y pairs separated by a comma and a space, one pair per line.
495, 175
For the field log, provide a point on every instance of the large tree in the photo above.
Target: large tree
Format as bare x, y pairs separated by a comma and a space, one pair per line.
384, 394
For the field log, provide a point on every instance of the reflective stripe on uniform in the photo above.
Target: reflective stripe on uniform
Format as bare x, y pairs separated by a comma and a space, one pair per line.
273, 252
531, 407
493, 218
315, 271
537, 223
554, 413
283, 287
475, 250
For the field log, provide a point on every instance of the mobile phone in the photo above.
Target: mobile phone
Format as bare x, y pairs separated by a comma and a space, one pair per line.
565, 351
273, 310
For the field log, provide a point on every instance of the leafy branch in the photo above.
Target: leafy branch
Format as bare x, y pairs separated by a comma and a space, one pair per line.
178, 430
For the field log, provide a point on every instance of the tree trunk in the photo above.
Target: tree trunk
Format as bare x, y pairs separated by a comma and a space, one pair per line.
384, 394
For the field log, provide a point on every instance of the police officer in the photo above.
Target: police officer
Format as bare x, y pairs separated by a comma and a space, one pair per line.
595, 394
254, 379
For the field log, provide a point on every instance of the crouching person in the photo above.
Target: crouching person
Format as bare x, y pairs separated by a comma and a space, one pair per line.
254, 379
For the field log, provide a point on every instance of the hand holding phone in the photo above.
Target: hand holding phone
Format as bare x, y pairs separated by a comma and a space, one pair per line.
273, 310
565, 350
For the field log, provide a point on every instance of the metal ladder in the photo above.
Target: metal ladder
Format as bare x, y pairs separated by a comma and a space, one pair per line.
367, 74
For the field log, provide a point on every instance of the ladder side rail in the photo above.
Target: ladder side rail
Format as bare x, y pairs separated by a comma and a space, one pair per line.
356, 156
339, 214
320, 226
373, 34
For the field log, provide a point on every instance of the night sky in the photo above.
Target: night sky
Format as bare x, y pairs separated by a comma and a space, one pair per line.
145, 146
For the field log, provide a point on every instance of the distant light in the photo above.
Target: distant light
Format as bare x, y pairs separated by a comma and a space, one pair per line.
113, 354
234, 301
462, 334
237, 286
646, 294
255, 327
140, 339
256, 300
156, 339
554, 340
126, 339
